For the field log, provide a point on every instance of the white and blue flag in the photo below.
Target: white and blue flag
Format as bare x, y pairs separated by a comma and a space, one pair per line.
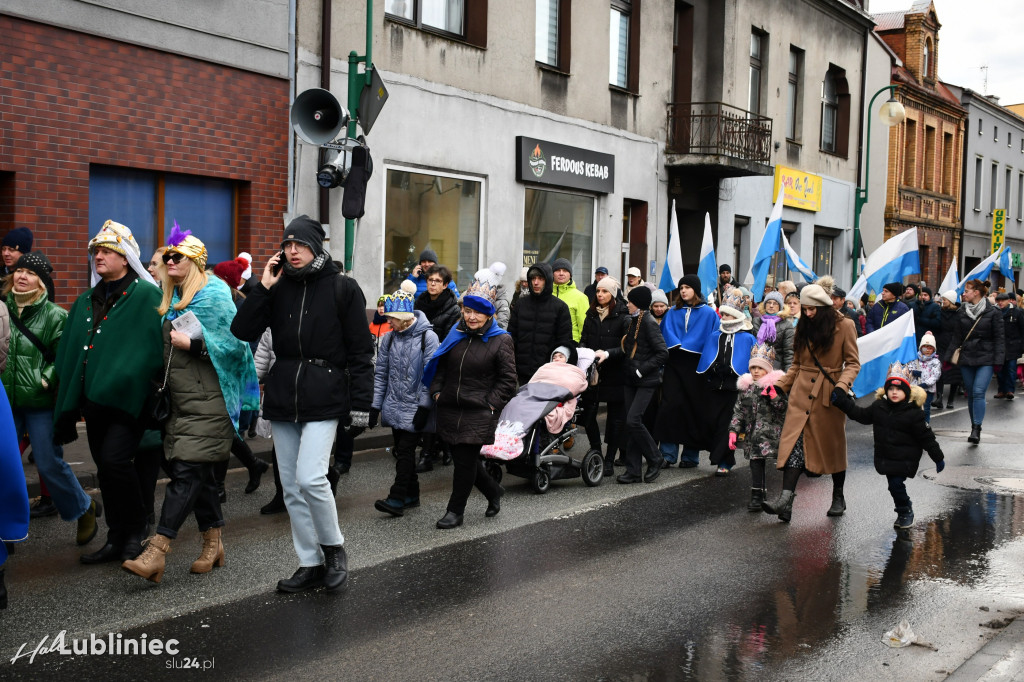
950, 281
672, 271
766, 249
1004, 263
707, 269
893, 260
796, 263
895, 342
980, 271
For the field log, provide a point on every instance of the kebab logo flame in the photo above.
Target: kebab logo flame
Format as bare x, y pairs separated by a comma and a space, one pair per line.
538, 164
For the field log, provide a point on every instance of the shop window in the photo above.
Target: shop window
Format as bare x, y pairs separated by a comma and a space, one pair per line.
150, 203
560, 225
431, 211
457, 18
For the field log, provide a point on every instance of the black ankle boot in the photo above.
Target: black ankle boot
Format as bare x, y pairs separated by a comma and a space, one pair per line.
449, 520
781, 507
838, 505
425, 462
306, 578
275, 506
756, 499
975, 436
335, 566
255, 474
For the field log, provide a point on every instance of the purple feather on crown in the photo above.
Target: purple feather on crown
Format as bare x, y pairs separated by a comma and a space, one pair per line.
177, 236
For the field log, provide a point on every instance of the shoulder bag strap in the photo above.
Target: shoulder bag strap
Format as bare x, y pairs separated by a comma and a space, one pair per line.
827, 375
968, 333
48, 355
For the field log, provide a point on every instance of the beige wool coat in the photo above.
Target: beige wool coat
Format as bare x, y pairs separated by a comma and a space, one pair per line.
810, 402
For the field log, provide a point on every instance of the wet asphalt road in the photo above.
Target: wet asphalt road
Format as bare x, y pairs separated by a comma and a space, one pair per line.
680, 582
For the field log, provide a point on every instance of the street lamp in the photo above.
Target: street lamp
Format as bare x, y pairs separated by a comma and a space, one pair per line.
892, 113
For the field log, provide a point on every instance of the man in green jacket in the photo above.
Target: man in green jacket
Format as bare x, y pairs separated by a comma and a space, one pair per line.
109, 353
565, 290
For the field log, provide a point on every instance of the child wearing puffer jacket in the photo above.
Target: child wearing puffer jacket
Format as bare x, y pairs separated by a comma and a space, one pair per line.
758, 414
900, 434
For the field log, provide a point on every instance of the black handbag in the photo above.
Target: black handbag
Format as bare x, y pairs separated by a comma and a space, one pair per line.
160, 402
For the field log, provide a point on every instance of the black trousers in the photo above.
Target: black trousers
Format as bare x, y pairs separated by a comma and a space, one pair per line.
126, 476
612, 429
406, 483
192, 488
469, 471
640, 442
344, 444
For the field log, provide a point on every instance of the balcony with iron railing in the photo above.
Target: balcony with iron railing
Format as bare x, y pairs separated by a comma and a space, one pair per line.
718, 138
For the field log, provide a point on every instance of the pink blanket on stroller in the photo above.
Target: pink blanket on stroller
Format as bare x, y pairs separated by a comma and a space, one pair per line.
552, 382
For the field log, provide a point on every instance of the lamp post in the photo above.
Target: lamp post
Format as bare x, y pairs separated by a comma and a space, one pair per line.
892, 113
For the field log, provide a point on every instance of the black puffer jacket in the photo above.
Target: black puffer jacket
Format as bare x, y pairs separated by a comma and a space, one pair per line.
475, 379
1013, 331
985, 345
443, 313
945, 331
900, 432
539, 324
642, 351
321, 342
607, 335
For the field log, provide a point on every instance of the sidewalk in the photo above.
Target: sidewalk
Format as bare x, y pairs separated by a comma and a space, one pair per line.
1002, 658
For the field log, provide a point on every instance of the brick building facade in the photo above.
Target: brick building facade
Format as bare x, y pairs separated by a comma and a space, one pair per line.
925, 153
80, 108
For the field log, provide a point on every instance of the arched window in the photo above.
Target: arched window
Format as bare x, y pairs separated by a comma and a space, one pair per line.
835, 112
927, 64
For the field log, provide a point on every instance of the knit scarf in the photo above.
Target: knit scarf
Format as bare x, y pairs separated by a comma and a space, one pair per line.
767, 332
23, 299
602, 311
232, 359
731, 325
975, 309
308, 270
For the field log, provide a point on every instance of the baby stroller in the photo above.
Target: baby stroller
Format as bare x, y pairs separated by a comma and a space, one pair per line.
523, 440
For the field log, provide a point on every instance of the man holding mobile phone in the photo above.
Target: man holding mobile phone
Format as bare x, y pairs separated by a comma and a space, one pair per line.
323, 374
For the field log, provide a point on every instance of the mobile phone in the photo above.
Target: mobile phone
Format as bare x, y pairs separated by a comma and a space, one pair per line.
280, 263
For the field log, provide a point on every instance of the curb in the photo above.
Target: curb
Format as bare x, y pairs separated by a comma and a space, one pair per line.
1002, 657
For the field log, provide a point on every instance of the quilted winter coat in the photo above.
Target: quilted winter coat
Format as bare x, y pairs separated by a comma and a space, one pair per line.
26, 369
398, 388
810, 409
758, 417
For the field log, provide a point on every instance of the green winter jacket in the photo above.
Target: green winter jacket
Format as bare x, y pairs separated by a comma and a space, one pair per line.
198, 429
578, 304
26, 369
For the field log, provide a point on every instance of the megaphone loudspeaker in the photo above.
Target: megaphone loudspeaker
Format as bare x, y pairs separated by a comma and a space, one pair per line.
317, 116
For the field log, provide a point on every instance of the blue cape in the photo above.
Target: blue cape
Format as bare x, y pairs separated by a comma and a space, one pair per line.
689, 334
743, 342
232, 359
454, 336
13, 493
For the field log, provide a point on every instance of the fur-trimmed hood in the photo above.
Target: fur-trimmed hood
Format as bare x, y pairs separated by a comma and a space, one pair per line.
769, 379
917, 395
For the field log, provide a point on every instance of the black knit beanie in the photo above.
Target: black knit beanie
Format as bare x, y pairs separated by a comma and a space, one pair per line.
305, 230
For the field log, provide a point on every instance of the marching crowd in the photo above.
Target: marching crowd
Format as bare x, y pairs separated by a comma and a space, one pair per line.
165, 364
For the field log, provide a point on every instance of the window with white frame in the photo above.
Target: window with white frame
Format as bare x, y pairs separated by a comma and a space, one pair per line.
448, 16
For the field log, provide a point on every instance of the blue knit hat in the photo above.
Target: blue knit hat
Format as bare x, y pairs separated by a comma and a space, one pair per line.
401, 304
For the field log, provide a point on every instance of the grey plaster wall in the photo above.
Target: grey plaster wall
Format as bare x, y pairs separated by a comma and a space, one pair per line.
247, 34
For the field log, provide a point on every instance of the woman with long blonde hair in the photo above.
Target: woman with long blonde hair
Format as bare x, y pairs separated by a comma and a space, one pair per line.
204, 414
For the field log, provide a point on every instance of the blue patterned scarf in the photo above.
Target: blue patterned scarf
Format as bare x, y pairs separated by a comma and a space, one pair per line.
454, 336
232, 359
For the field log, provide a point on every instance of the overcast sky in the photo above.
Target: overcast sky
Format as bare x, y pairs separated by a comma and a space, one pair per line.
977, 33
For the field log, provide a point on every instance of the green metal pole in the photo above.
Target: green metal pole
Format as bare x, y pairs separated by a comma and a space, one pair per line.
356, 81
862, 192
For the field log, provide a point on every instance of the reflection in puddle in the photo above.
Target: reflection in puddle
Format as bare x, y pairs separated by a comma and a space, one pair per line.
820, 595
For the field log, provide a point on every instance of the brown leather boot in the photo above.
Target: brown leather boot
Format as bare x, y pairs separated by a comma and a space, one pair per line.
150, 564
212, 554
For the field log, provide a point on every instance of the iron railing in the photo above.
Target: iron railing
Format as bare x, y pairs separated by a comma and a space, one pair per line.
716, 128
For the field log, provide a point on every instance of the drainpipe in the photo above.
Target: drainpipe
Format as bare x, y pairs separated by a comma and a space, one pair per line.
292, 75
325, 83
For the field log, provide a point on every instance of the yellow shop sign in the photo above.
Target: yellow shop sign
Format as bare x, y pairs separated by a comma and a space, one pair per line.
801, 190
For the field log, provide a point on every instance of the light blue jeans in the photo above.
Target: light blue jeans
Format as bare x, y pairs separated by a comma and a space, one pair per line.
976, 381
303, 454
65, 490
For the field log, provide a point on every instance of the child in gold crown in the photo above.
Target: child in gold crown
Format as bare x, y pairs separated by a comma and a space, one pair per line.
758, 414
900, 433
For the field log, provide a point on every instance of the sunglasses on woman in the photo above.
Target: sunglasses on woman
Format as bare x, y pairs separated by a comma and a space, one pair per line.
173, 256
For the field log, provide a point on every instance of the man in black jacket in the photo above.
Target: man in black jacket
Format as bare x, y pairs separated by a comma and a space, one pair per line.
927, 313
591, 291
539, 324
1013, 338
323, 373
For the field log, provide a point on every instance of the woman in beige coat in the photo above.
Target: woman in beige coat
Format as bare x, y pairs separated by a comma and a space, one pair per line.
825, 359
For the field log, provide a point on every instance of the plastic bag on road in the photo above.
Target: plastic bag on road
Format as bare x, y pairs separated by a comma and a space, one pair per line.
900, 636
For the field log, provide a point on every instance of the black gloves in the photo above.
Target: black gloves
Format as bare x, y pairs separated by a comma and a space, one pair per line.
419, 420
840, 398
916, 373
373, 418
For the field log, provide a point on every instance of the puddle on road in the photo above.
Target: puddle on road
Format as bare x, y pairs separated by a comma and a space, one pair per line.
820, 595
